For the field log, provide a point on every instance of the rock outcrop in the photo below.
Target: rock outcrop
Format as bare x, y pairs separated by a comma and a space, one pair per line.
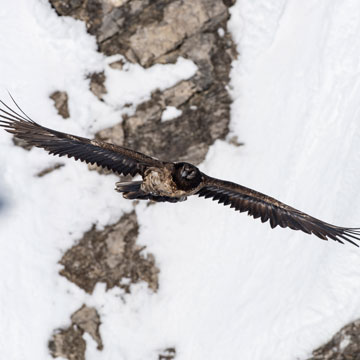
344, 345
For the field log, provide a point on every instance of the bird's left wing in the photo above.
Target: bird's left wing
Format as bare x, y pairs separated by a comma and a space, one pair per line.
115, 158
266, 208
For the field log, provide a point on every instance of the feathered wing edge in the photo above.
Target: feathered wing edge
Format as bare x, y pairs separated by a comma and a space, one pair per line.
115, 158
266, 208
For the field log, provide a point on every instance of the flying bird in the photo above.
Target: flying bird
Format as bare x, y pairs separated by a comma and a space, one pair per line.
164, 181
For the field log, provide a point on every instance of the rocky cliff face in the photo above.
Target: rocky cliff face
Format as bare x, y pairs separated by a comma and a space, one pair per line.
344, 345
147, 32
151, 32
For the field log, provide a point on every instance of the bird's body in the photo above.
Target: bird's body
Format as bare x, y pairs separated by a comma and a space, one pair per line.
158, 181
168, 181
162, 181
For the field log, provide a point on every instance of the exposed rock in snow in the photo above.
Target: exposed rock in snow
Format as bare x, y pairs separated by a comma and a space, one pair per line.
88, 320
344, 345
69, 342
144, 31
186, 138
168, 354
97, 86
110, 256
159, 32
61, 103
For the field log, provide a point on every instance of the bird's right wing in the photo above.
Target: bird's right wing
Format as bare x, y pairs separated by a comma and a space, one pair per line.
115, 158
266, 208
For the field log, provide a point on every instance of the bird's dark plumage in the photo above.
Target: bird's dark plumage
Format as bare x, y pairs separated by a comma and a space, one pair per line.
108, 156
266, 208
167, 181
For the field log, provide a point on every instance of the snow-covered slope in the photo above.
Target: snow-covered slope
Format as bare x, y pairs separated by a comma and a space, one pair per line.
230, 287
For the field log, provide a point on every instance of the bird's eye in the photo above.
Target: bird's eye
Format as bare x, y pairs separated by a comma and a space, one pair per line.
184, 172
191, 174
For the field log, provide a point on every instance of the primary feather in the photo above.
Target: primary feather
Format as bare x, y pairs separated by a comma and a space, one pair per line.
108, 156
266, 208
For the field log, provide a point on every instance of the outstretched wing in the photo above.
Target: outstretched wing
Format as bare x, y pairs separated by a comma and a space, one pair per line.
266, 208
115, 158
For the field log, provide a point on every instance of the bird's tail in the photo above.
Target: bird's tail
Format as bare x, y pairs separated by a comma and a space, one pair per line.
131, 190
128, 186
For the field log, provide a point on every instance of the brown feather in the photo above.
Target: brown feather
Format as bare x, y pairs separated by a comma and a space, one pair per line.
272, 210
115, 158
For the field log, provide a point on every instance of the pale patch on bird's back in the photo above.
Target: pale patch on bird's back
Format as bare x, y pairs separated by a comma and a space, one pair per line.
159, 182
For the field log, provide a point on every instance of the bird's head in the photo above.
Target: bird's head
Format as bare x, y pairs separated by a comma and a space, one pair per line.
186, 176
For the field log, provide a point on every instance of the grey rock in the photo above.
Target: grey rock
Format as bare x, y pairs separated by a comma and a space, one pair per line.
180, 20
61, 103
88, 320
168, 354
97, 86
110, 256
344, 345
149, 32
69, 343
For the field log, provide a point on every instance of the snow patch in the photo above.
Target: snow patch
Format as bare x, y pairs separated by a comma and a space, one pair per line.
221, 32
171, 112
345, 342
134, 84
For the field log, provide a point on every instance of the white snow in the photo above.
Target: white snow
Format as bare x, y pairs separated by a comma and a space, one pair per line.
230, 287
345, 342
170, 112
134, 83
